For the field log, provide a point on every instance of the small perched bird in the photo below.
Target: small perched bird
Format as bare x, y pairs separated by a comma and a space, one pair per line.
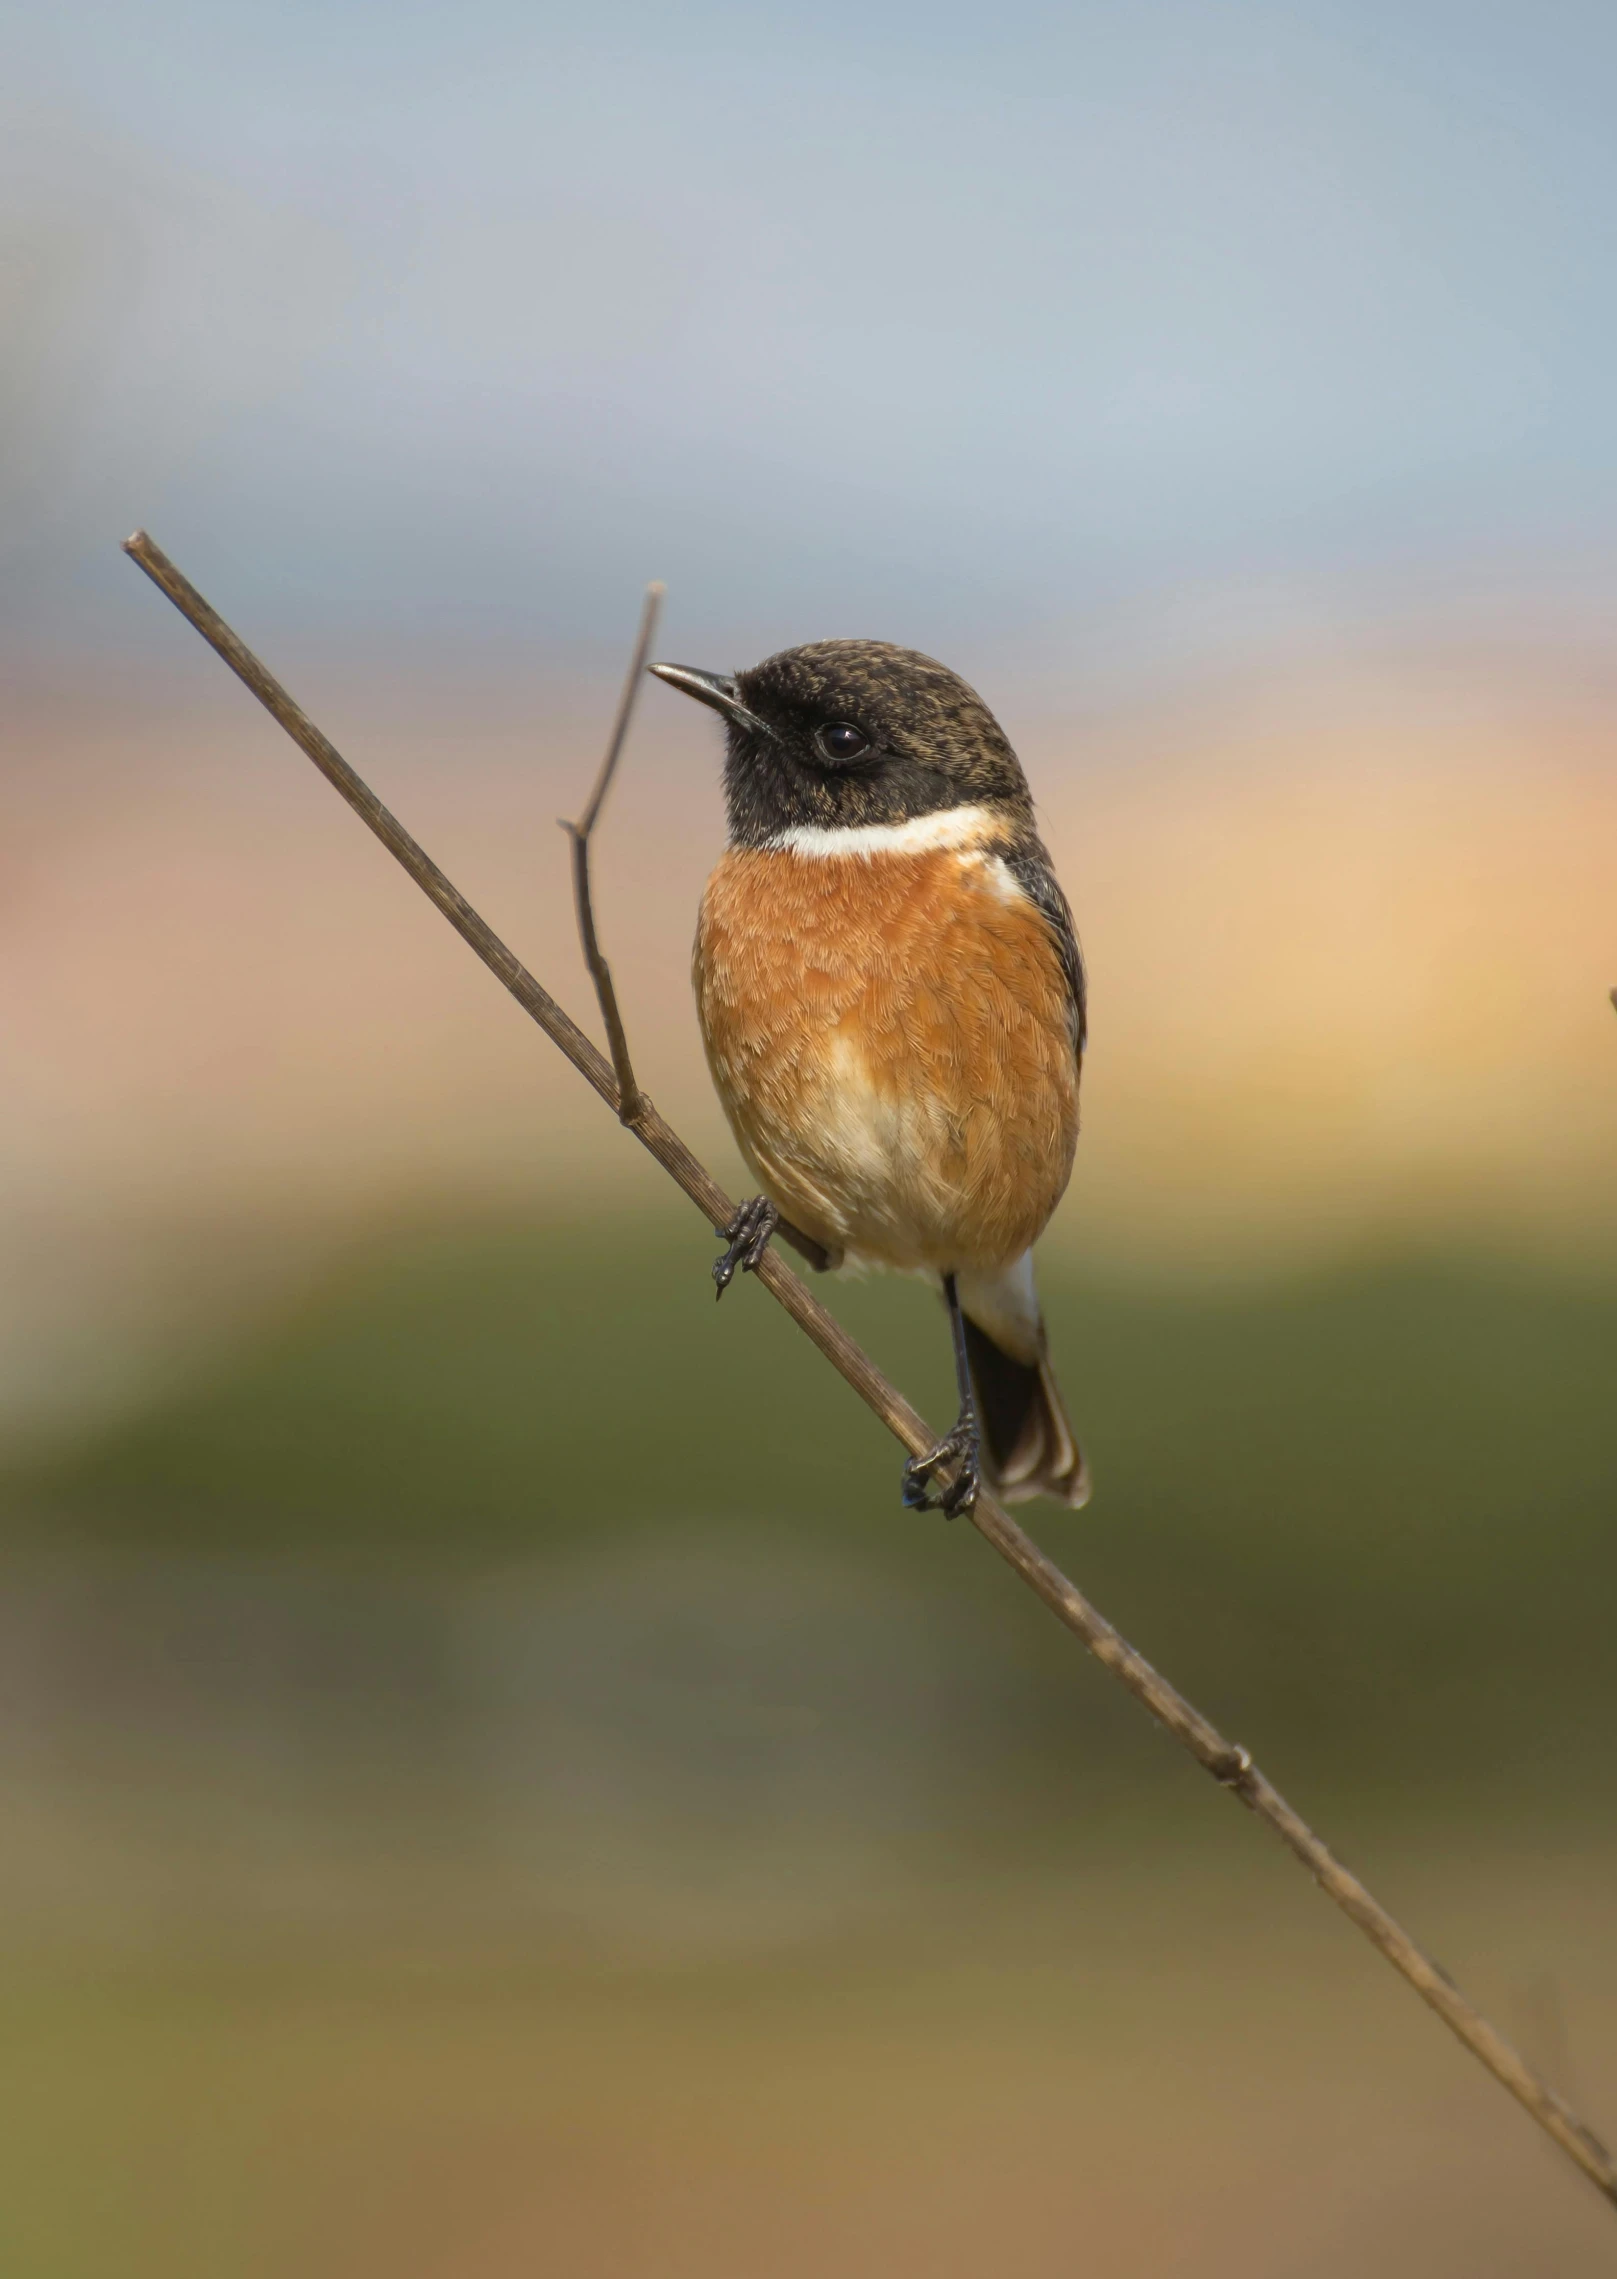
892, 1000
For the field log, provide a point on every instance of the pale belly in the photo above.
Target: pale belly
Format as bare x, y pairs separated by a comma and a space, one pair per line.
891, 1044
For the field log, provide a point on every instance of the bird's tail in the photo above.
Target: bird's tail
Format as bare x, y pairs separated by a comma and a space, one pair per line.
1028, 1442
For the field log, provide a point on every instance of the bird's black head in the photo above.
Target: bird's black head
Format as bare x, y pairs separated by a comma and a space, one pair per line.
848, 733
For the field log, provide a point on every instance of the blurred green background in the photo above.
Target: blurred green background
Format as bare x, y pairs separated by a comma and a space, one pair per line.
494, 1779
1364, 1514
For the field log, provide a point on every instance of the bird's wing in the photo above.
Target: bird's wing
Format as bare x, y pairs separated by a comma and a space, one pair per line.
1030, 866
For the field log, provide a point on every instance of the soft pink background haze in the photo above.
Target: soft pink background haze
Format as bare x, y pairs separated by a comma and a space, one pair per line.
1349, 928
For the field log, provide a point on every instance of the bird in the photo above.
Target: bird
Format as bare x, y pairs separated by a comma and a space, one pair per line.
891, 997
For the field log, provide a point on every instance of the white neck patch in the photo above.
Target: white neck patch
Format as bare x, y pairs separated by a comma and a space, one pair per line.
951, 827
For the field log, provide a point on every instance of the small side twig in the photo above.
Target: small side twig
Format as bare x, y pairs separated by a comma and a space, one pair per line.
1229, 1764
632, 1103
631, 1100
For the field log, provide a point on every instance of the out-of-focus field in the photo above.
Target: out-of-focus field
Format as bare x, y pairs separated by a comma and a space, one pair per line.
492, 1780
1174, 2063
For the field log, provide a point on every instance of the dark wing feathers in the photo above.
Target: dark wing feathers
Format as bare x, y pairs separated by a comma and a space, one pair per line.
1029, 865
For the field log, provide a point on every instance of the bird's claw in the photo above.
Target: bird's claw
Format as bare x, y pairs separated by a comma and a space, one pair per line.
959, 1453
749, 1232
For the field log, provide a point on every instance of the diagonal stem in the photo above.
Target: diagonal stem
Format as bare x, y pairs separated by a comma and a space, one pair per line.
1230, 1765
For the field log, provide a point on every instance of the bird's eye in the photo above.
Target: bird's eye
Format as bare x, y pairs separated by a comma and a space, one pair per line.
841, 740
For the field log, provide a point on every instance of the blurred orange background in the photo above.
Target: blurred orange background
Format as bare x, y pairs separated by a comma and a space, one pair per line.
1348, 933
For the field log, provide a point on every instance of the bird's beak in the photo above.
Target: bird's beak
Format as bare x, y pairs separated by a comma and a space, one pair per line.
716, 690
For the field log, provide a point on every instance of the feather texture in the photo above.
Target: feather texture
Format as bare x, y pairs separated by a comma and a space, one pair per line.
890, 1035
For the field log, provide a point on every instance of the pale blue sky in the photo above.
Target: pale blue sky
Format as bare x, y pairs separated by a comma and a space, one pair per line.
1071, 332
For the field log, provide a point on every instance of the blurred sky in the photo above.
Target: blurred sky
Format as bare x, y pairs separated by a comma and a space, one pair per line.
1226, 391
1098, 334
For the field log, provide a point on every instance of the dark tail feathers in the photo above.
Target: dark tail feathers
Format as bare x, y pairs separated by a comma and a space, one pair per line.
1029, 1444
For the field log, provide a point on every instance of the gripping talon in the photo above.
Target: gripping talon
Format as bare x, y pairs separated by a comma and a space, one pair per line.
959, 1452
749, 1232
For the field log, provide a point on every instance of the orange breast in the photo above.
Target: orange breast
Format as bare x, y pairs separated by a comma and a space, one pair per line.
889, 1036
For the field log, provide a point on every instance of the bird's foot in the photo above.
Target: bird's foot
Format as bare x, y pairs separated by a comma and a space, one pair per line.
749, 1232
958, 1455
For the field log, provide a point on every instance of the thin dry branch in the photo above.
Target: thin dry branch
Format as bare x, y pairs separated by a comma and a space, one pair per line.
630, 1096
1230, 1765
